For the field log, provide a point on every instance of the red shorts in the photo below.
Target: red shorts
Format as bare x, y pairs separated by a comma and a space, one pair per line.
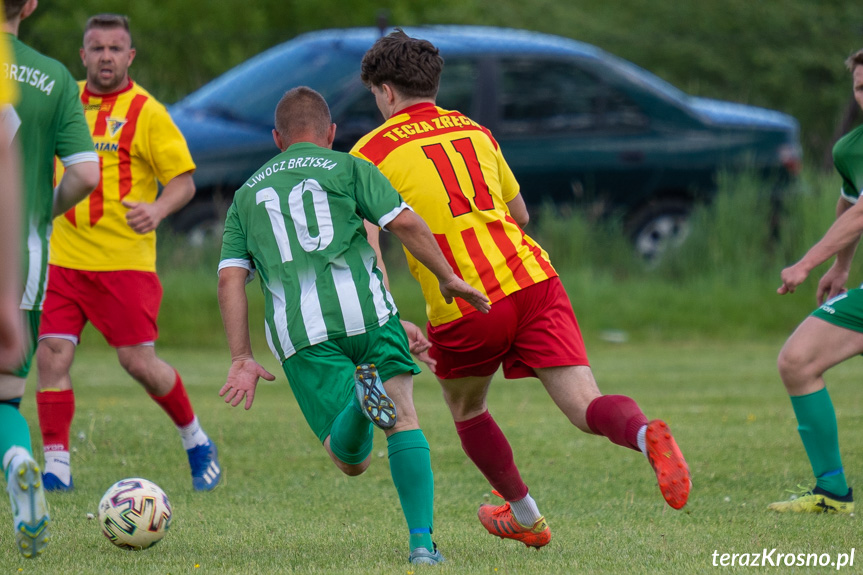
122, 305
533, 327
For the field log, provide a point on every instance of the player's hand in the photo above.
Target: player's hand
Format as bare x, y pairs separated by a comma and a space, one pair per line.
242, 381
832, 283
419, 344
457, 287
143, 217
792, 277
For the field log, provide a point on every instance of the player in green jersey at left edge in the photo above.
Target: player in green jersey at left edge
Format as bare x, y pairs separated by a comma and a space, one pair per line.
330, 320
46, 122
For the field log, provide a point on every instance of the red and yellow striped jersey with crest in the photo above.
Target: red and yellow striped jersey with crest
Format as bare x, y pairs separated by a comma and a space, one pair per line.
138, 146
450, 170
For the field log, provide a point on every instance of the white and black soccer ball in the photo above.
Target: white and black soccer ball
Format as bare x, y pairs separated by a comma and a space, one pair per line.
134, 513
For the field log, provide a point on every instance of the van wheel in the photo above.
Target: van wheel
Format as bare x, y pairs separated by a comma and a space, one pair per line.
200, 224
659, 226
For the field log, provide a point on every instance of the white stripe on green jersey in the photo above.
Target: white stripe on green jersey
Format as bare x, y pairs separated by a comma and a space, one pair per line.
37, 266
310, 307
298, 221
383, 298
278, 322
350, 301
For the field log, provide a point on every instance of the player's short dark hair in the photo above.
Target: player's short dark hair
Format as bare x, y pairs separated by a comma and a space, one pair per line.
410, 65
108, 21
854, 60
12, 8
302, 110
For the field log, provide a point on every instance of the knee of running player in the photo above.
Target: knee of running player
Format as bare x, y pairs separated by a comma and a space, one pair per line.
797, 371
350, 469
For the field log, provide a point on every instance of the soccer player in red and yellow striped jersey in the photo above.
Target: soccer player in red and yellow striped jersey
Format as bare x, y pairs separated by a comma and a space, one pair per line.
435, 157
138, 146
103, 254
450, 170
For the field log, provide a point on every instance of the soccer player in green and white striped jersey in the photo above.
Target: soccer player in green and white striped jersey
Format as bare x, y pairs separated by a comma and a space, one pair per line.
330, 320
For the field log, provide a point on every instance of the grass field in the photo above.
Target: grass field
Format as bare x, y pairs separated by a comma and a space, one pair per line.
703, 335
284, 508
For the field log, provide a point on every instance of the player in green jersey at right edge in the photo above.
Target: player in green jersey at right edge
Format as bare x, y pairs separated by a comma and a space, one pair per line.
330, 320
831, 334
48, 122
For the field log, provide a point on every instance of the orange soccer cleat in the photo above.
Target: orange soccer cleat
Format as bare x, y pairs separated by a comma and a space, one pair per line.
499, 520
668, 463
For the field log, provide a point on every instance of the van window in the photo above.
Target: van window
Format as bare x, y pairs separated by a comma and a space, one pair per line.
554, 96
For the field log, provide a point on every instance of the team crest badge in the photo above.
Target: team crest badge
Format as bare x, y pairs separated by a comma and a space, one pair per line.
115, 125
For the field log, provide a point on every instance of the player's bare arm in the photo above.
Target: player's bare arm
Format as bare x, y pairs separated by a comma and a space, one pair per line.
144, 217
518, 211
833, 282
419, 241
840, 240
419, 345
244, 371
12, 346
78, 181
373, 235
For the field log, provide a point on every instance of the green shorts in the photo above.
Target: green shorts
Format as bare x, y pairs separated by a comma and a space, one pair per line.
844, 310
322, 375
32, 318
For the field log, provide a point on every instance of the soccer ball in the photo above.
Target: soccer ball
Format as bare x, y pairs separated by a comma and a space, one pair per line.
134, 514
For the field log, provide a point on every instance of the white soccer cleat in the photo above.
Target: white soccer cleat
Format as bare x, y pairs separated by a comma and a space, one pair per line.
29, 508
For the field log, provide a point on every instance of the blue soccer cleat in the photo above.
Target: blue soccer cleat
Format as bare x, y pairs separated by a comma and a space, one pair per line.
29, 508
204, 461
54, 483
372, 397
422, 556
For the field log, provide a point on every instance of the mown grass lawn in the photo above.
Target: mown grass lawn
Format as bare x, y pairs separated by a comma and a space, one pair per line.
284, 508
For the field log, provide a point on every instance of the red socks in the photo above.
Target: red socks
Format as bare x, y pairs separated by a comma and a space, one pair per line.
485, 445
56, 410
616, 417
176, 404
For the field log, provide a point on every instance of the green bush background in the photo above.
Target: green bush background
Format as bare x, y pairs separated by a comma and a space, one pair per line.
720, 285
784, 54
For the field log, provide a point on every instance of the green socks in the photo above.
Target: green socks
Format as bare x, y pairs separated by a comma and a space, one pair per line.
351, 435
816, 423
410, 466
14, 431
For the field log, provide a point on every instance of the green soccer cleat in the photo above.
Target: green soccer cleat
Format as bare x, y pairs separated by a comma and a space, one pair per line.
815, 501
29, 508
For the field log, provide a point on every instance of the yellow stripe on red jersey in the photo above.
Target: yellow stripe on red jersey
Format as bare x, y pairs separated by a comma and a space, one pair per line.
138, 146
450, 170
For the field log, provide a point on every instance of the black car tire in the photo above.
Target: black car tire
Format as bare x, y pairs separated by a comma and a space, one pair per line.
658, 226
200, 223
